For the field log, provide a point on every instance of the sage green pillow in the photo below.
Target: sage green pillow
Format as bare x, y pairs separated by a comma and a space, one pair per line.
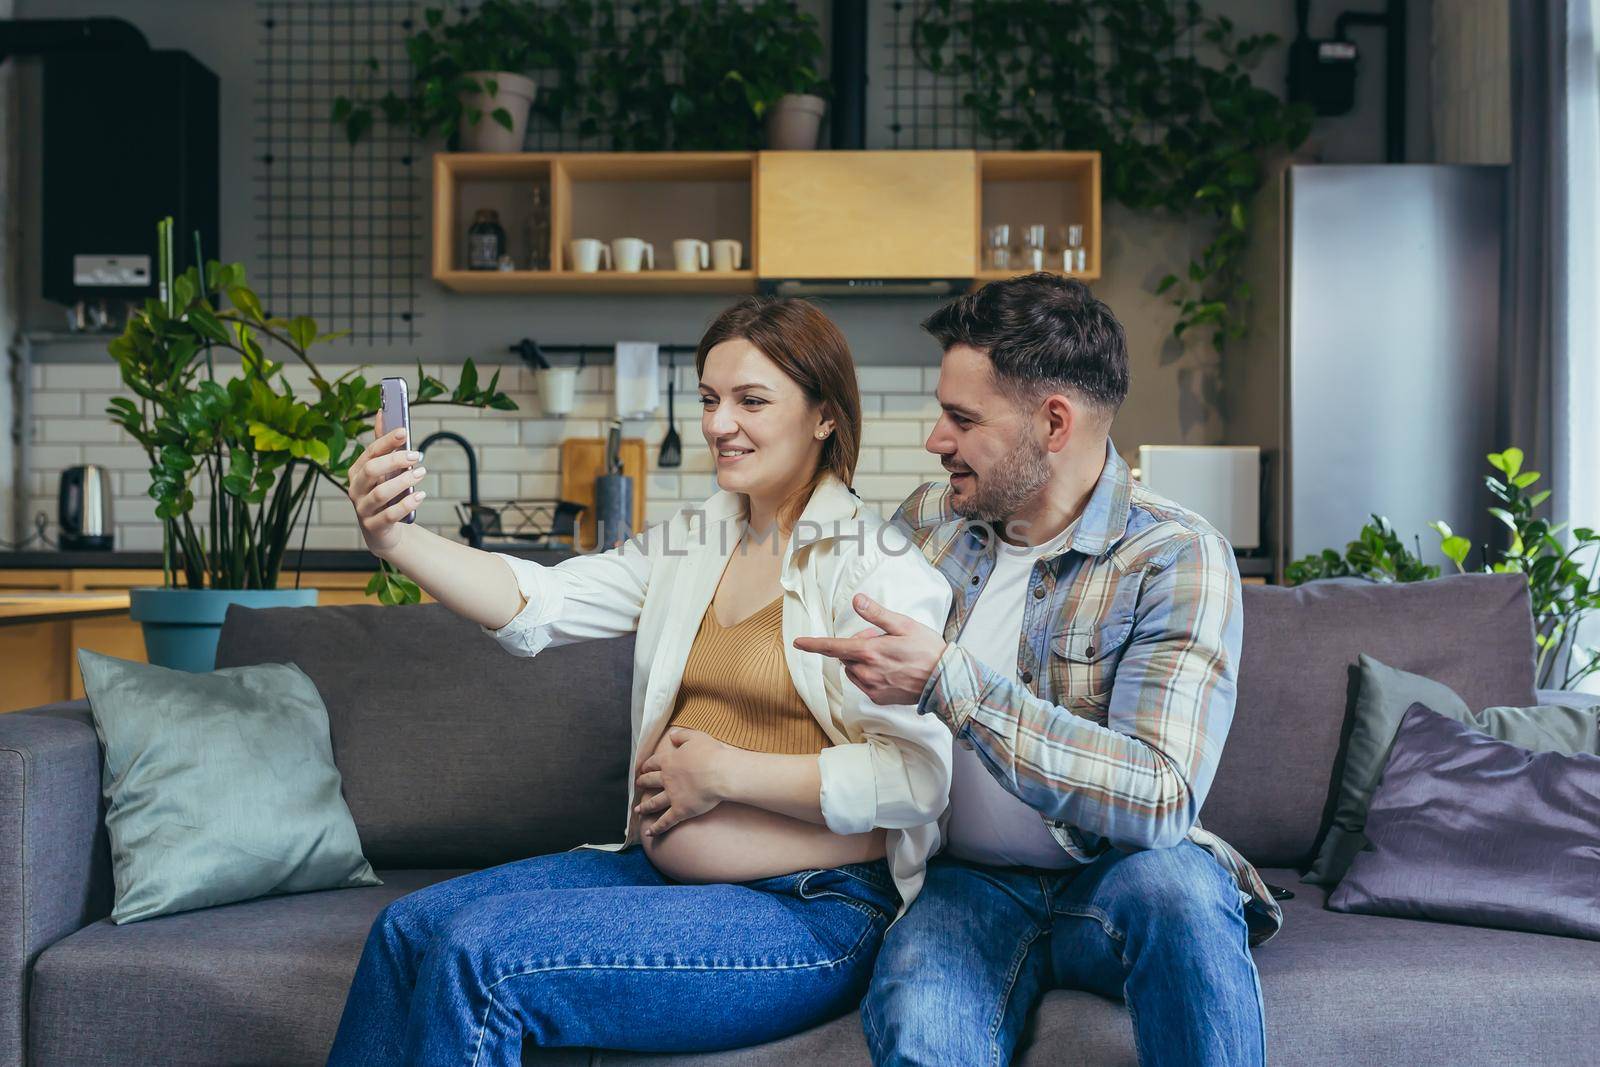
221, 786
1383, 694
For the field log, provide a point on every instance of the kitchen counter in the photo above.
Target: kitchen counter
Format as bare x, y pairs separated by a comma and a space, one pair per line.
316, 559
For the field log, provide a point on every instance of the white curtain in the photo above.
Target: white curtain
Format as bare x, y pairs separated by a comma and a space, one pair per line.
1576, 337
1551, 374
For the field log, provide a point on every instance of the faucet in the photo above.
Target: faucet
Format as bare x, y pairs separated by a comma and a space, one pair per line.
471, 530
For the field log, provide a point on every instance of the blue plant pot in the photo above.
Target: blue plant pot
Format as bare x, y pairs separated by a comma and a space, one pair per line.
181, 626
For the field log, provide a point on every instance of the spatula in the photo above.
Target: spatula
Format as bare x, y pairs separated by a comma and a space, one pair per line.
671, 448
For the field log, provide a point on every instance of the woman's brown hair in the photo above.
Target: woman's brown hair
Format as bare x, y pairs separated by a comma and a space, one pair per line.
808, 347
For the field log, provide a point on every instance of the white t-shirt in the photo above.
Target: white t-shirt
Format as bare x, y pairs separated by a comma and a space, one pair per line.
987, 823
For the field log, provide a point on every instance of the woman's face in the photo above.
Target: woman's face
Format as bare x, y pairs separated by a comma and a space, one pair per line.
760, 425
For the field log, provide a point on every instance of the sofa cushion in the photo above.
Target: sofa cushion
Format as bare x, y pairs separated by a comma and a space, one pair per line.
264, 982
1384, 696
1337, 989
1274, 789
455, 753
221, 785
1468, 828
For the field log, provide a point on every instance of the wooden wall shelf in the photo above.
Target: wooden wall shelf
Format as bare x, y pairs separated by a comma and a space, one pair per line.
796, 214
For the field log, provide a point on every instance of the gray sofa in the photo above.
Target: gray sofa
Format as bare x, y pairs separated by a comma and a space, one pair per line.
456, 756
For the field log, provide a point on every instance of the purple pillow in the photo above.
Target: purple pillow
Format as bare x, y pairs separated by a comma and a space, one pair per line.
1470, 829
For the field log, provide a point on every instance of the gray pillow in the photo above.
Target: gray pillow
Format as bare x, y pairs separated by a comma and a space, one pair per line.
1383, 694
1469, 829
221, 786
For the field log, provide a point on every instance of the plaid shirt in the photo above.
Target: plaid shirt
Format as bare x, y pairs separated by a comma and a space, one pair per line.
1126, 667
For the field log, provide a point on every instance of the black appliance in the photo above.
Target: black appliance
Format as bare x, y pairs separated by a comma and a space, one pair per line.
129, 137
84, 507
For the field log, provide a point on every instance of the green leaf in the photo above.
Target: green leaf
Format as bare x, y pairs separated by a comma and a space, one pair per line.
1455, 549
1525, 479
245, 300
467, 387
357, 125
183, 290
503, 117
207, 324
303, 331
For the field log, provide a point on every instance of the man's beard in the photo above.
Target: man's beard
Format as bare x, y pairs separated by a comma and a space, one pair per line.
1010, 483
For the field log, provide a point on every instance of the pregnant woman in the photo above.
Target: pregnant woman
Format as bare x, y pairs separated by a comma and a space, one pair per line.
778, 819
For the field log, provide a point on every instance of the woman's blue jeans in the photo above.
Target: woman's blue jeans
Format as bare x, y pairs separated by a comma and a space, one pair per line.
599, 949
1162, 929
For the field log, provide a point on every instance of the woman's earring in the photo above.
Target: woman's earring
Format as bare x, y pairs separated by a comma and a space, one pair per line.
821, 434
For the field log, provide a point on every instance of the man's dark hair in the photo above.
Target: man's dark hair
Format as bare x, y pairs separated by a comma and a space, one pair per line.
1043, 334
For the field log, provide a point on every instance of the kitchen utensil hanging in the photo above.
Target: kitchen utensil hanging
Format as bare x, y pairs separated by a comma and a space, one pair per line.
671, 447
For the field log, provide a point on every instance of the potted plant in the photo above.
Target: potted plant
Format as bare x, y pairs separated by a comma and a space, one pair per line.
735, 66
758, 65
1561, 579
469, 78
259, 449
792, 93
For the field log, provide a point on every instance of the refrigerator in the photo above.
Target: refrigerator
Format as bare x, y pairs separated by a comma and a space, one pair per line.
1390, 282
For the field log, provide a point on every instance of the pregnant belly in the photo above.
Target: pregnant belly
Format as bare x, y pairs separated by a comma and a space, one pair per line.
739, 843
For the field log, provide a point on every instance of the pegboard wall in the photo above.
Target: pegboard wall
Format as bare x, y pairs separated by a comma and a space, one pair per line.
340, 226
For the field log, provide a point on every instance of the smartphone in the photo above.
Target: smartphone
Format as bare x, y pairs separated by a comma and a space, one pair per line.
396, 408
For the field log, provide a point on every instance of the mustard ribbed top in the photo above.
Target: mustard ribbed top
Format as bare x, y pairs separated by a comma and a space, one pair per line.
736, 687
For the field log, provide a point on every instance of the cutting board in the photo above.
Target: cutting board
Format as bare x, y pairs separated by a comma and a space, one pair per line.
583, 459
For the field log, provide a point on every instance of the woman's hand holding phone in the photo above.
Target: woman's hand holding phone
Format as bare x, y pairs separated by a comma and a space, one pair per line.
382, 472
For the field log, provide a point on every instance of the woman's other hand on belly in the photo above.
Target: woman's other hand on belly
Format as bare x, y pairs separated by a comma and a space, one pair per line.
680, 780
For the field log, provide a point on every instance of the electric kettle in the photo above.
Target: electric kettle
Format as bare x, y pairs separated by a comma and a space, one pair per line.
85, 507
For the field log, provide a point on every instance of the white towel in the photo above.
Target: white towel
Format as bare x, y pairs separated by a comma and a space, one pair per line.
638, 378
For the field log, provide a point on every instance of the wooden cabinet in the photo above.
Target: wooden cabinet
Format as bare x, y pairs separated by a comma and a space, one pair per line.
115, 635
35, 656
657, 197
867, 214
38, 661
797, 215
1052, 189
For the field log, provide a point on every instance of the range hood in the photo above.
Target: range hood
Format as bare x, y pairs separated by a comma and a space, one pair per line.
929, 287
851, 223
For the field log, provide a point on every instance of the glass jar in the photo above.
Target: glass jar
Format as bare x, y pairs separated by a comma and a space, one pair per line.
1034, 251
998, 247
1074, 257
486, 240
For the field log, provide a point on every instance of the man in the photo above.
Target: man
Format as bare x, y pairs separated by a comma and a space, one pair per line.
1087, 671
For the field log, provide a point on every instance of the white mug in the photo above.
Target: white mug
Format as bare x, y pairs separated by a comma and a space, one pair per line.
557, 386
587, 254
726, 254
626, 253
691, 254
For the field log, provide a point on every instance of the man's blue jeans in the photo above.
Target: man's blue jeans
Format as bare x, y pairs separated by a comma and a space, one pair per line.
599, 949
1163, 929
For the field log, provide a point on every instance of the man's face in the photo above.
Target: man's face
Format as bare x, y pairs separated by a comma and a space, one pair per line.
986, 440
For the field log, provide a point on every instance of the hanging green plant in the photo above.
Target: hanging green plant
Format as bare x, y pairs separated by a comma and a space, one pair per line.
1161, 90
696, 75
447, 56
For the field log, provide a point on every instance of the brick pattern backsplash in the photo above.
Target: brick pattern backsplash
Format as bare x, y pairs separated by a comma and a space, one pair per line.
518, 451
